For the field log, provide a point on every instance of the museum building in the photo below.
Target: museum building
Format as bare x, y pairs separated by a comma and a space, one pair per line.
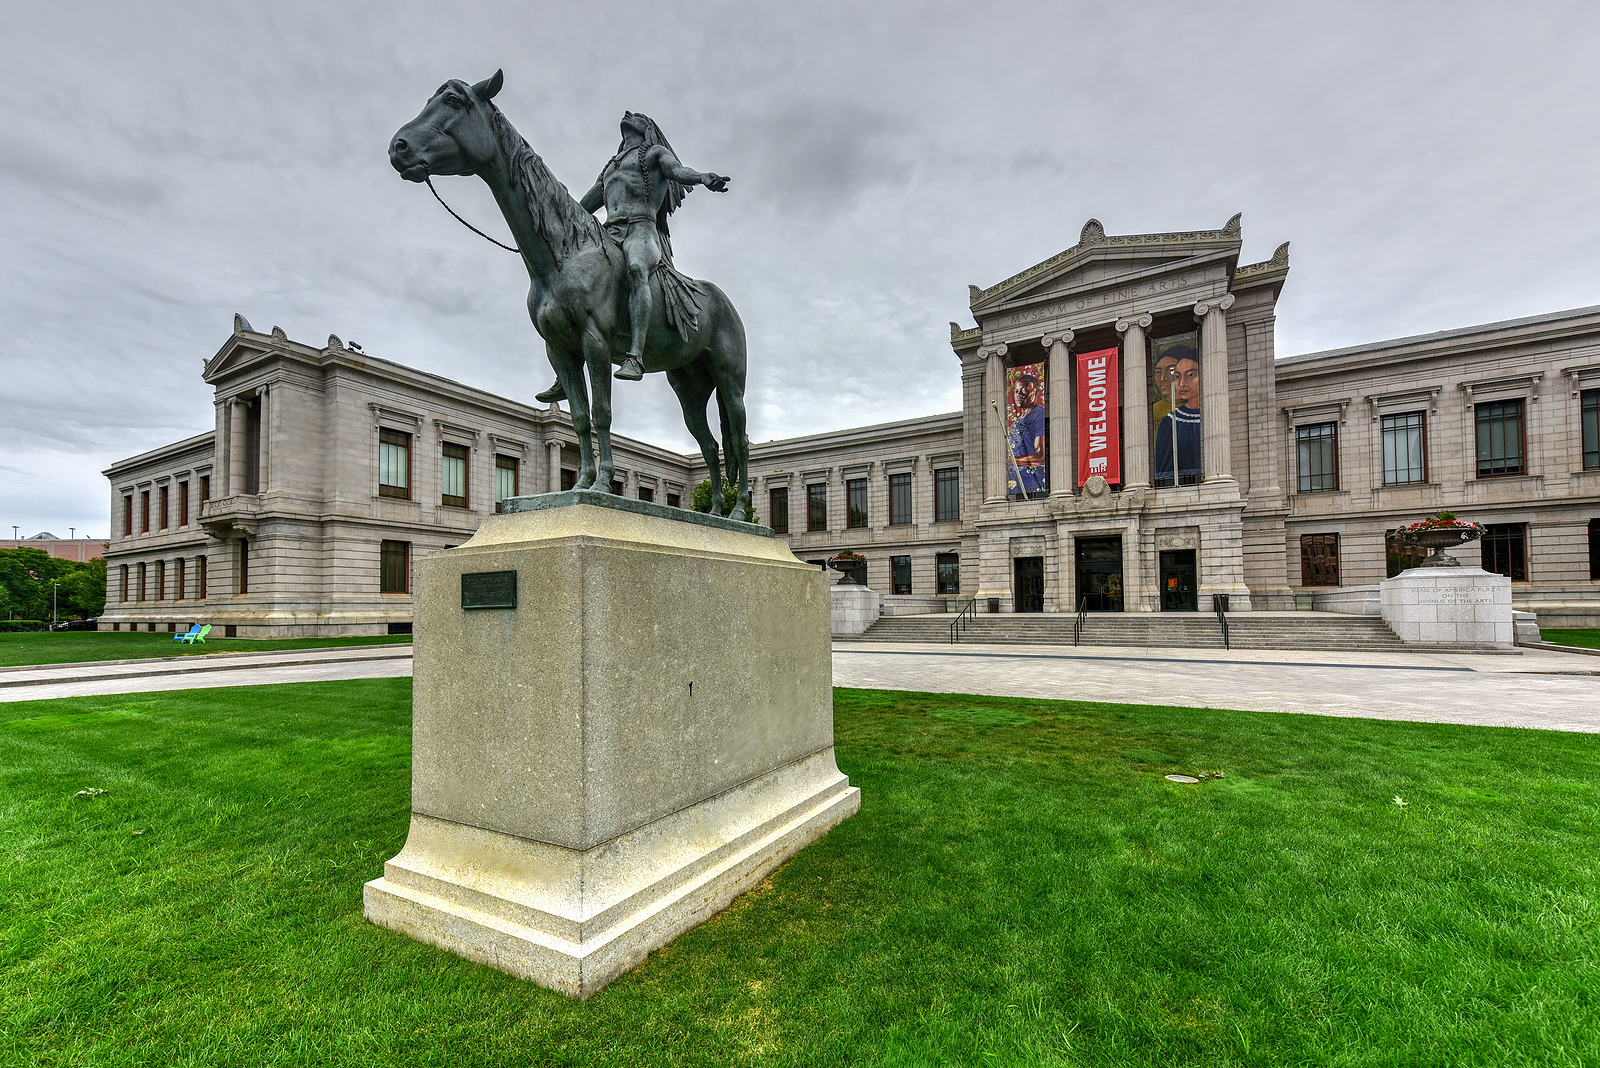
1128, 441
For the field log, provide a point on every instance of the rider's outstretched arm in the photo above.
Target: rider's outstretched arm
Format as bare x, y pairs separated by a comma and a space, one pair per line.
594, 198
670, 167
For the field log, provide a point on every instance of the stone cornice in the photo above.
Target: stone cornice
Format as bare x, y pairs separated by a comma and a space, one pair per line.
1267, 272
164, 455
1094, 238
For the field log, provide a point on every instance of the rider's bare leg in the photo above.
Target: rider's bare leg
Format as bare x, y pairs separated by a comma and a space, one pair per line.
643, 254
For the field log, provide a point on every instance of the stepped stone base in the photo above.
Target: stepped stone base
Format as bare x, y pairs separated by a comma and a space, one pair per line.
1328, 631
622, 718
1464, 606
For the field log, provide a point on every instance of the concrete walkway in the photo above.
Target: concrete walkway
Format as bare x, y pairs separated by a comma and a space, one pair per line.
1528, 688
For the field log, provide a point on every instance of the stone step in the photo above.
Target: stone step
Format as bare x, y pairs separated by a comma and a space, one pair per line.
1299, 630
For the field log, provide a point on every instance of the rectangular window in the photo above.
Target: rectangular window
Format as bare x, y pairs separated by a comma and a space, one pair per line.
1594, 550
183, 504
1399, 555
948, 568
616, 487
181, 590
646, 493
1318, 456
817, 507
244, 566
453, 475
161, 580
1319, 559
569, 479
946, 494
1403, 449
395, 567
899, 499
855, 499
1500, 439
394, 464
674, 501
162, 513
144, 511
127, 518
200, 577
1505, 550
124, 574
143, 572
1591, 429
778, 510
506, 481
899, 574
205, 488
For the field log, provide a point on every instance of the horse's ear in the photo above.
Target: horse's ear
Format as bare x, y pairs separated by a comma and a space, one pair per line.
486, 89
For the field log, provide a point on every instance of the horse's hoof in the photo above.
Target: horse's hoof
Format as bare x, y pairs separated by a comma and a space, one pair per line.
551, 395
631, 370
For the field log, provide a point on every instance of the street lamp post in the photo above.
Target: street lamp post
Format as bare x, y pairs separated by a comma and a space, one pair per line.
53, 586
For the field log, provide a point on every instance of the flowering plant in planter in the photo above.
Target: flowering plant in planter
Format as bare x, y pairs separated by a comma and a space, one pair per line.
846, 561
1440, 532
1445, 521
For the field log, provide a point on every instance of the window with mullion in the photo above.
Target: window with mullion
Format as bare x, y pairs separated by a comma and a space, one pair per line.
778, 509
453, 475
1403, 449
817, 507
1500, 439
505, 479
899, 499
946, 494
1505, 550
947, 567
900, 574
1591, 429
855, 499
394, 570
394, 464
1318, 457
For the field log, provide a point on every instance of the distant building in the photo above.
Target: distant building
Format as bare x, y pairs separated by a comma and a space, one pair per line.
1128, 441
80, 549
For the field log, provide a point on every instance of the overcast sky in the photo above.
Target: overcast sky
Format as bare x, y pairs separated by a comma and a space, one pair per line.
164, 165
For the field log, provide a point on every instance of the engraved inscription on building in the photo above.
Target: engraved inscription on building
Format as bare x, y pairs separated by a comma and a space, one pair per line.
489, 589
1447, 595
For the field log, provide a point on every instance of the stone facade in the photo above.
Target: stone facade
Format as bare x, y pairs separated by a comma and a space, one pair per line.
1288, 504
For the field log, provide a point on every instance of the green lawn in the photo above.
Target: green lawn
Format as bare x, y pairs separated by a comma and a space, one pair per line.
1020, 887
1585, 637
74, 646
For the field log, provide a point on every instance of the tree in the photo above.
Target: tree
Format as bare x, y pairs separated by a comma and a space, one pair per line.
27, 576
701, 500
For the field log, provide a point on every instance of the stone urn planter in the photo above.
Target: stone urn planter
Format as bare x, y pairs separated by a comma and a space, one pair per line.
846, 564
1444, 532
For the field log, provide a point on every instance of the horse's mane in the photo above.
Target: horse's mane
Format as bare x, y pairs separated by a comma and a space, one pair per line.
563, 222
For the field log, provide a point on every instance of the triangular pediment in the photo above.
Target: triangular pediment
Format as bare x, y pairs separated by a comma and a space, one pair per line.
1100, 260
246, 347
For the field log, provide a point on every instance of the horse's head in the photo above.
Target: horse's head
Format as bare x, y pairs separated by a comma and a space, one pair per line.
452, 135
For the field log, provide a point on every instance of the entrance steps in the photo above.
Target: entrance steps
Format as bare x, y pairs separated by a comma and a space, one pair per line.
1328, 631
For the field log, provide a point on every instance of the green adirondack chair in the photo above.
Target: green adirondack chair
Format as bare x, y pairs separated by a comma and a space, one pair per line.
199, 634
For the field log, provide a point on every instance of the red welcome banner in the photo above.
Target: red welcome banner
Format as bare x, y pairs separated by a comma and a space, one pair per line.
1099, 444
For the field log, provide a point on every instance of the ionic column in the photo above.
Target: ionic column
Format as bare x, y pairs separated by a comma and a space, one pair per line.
553, 469
1058, 450
1214, 424
236, 454
994, 399
1135, 403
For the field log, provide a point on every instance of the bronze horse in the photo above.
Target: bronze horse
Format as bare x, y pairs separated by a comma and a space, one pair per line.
578, 292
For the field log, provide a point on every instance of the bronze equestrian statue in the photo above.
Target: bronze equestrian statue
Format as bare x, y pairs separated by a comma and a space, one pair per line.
600, 294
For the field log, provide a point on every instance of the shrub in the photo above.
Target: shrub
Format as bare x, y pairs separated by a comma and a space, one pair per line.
701, 500
15, 626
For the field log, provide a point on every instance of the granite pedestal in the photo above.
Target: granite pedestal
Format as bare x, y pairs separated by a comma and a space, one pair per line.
1464, 606
642, 733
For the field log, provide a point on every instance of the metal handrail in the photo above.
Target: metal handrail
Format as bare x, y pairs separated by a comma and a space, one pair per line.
1222, 620
1083, 616
961, 621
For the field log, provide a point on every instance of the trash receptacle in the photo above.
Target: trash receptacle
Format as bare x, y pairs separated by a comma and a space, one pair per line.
1219, 602
994, 606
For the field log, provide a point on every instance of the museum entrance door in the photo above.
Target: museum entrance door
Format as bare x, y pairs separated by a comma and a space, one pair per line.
1028, 590
1100, 573
1178, 589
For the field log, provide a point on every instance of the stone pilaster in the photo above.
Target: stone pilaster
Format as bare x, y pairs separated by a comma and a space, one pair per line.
1135, 406
553, 468
1058, 371
994, 441
236, 446
1214, 420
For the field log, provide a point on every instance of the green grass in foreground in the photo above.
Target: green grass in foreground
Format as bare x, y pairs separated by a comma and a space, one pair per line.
1020, 887
76, 646
1583, 637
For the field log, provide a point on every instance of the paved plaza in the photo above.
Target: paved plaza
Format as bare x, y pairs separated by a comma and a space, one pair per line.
1531, 687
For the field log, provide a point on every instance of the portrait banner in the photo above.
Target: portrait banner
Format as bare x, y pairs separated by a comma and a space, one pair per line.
1027, 437
1099, 437
1175, 408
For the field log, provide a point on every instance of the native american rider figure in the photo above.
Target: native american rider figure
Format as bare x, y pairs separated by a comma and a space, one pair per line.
640, 186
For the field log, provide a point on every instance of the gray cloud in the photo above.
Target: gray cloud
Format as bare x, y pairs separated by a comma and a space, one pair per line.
165, 166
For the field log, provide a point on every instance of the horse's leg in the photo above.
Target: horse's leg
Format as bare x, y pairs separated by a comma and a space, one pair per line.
597, 355
569, 372
727, 366
693, 387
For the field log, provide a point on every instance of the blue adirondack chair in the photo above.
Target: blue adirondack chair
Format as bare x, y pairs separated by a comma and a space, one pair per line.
199, 634
185, 637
